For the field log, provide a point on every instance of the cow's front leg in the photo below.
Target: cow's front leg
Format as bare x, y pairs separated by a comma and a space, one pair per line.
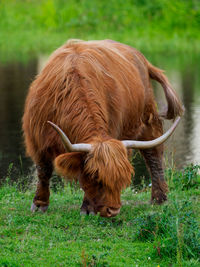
86, 207
41, 199
154, 161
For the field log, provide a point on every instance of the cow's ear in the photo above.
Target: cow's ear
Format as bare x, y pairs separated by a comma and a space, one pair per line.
69, 165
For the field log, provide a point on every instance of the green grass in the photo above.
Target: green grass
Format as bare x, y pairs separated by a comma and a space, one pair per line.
141, 235
29, 27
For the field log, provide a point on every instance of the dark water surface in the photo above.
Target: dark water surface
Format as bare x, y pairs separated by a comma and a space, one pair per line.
184, 147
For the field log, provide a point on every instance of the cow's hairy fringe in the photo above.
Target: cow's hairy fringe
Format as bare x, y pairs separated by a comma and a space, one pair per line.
109, 164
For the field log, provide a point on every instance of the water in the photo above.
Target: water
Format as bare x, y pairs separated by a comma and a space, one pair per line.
14, 82
181, 149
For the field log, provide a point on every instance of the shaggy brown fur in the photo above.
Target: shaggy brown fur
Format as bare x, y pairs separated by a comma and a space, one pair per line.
97, 92
108, 164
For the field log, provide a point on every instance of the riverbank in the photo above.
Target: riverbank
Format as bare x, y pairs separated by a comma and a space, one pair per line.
29, 28
141, 235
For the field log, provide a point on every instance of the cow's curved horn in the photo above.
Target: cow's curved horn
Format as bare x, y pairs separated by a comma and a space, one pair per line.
153, 143
67, 144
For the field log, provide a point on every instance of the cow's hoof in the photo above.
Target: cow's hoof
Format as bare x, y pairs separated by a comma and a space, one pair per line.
83, 212
43, 208
87, 212
159, 200
34, 208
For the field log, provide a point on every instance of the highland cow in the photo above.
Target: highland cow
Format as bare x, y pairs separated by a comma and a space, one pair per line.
93, 102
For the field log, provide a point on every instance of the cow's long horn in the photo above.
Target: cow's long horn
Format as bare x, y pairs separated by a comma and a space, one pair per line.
153, 143
67, 144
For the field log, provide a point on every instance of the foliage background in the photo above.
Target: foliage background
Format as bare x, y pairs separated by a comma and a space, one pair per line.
28, 27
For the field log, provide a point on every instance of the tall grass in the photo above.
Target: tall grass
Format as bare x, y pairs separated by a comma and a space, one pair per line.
30, 26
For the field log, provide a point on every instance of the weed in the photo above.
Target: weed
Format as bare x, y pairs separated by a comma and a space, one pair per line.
9, 172
180, 245
94, 260
184, 180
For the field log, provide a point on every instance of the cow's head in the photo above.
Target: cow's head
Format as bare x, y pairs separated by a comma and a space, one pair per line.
102, 173
102, 168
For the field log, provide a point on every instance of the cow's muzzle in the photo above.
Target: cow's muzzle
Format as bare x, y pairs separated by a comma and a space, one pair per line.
109, 212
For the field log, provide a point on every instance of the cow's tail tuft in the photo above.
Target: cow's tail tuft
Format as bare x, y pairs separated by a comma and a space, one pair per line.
175, 107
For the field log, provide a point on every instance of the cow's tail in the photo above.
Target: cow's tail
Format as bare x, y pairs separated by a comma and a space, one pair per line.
175, 107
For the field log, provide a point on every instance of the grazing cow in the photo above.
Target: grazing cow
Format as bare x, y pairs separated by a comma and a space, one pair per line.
97, 95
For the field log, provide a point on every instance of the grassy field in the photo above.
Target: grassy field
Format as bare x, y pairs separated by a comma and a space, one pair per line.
141, 235
29, 27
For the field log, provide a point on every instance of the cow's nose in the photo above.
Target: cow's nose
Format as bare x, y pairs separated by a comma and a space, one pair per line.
111, 212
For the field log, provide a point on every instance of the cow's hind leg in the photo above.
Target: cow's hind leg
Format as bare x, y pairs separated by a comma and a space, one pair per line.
41, 199
154, 161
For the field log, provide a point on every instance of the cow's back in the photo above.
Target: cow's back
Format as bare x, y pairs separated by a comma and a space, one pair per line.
89, 89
